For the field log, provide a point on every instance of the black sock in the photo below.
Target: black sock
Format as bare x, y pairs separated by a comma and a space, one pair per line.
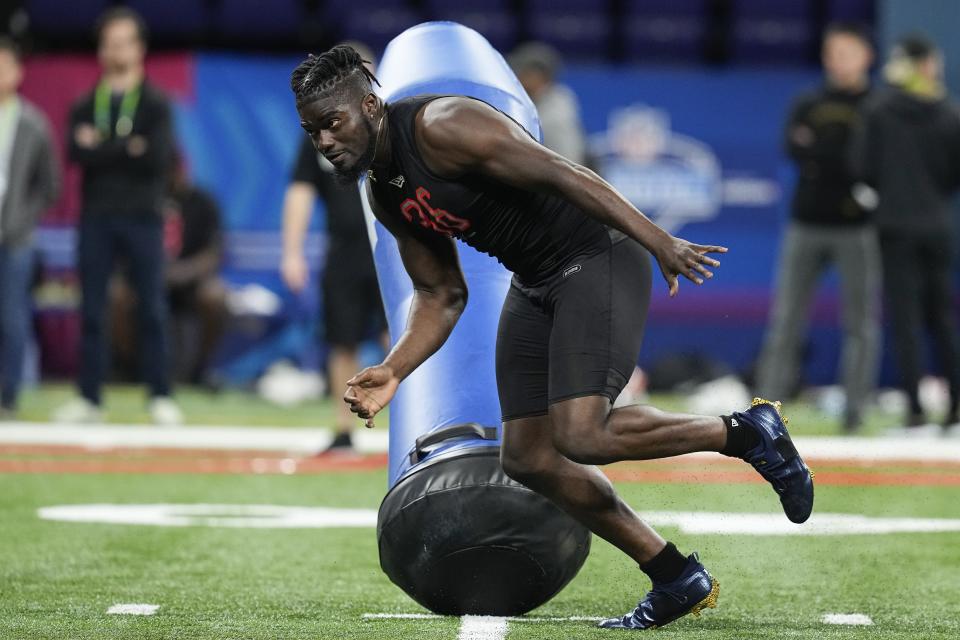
741, 437
666, 566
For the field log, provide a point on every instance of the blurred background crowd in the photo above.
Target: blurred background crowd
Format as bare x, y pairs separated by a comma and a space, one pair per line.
164, 220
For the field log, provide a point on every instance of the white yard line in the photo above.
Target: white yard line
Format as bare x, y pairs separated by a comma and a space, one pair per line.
482, 628
860, 619
133, 609
401, 616
433, 616
557, 619
879, 449
286, 439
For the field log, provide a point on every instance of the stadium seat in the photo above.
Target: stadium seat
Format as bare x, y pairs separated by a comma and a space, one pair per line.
373, 22
492, 18
174, 20
56, 18
257, 20
665, 30
577, 28
772, 32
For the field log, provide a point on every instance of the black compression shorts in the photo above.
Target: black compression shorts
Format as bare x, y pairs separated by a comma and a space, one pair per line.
576, 334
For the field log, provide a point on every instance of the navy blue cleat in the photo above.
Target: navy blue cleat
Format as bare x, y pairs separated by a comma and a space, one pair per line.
777, 460
692, 592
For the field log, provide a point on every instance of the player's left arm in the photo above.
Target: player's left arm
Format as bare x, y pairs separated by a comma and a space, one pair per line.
457, 136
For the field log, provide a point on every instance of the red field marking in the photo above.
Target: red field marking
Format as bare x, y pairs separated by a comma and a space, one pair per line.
684, 470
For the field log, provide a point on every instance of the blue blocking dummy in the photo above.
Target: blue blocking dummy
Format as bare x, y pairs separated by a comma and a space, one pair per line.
454, 532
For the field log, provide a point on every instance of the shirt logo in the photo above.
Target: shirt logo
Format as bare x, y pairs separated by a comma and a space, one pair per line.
569, 271
398, 182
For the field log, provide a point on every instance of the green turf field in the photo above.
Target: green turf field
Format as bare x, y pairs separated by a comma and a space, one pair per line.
58, 579
126, 404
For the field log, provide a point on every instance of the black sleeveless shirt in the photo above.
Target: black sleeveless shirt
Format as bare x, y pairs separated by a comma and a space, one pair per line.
532, 234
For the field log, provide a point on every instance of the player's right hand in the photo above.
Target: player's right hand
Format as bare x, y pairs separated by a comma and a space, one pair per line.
294, 270
370, 391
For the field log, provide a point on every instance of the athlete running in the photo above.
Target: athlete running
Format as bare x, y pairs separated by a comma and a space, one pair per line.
446, 167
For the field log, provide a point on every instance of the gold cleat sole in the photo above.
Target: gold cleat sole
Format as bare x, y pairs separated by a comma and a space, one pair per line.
775, 404
710, 602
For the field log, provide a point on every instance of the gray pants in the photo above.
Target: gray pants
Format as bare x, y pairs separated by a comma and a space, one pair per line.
807, 252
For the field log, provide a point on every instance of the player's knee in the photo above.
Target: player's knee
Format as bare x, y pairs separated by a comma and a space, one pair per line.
578, 427
524, 467
574, 441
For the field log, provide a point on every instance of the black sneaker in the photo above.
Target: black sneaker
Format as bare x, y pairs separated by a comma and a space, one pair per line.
342, 443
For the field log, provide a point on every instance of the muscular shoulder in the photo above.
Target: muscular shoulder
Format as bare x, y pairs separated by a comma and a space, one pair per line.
455, 133
447, 119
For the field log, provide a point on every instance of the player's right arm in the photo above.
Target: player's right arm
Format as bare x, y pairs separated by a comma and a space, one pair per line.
439, 297
298, 204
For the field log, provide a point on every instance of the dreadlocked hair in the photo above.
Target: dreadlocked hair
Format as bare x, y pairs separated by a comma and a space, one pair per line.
319, 74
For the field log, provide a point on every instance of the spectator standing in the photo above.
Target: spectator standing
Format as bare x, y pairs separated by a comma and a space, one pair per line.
121, 136
537, 65
193, 241
908, 151
828, 228
29, 183
352, 308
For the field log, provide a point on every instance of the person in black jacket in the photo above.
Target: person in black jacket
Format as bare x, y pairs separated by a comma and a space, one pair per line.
828, 228
193, 242
121, 136
908, 151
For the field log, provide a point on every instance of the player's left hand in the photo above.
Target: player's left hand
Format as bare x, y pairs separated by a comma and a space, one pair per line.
681, 258
370, 390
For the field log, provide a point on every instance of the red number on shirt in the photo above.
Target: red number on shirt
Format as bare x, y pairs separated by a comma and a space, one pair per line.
440, 220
